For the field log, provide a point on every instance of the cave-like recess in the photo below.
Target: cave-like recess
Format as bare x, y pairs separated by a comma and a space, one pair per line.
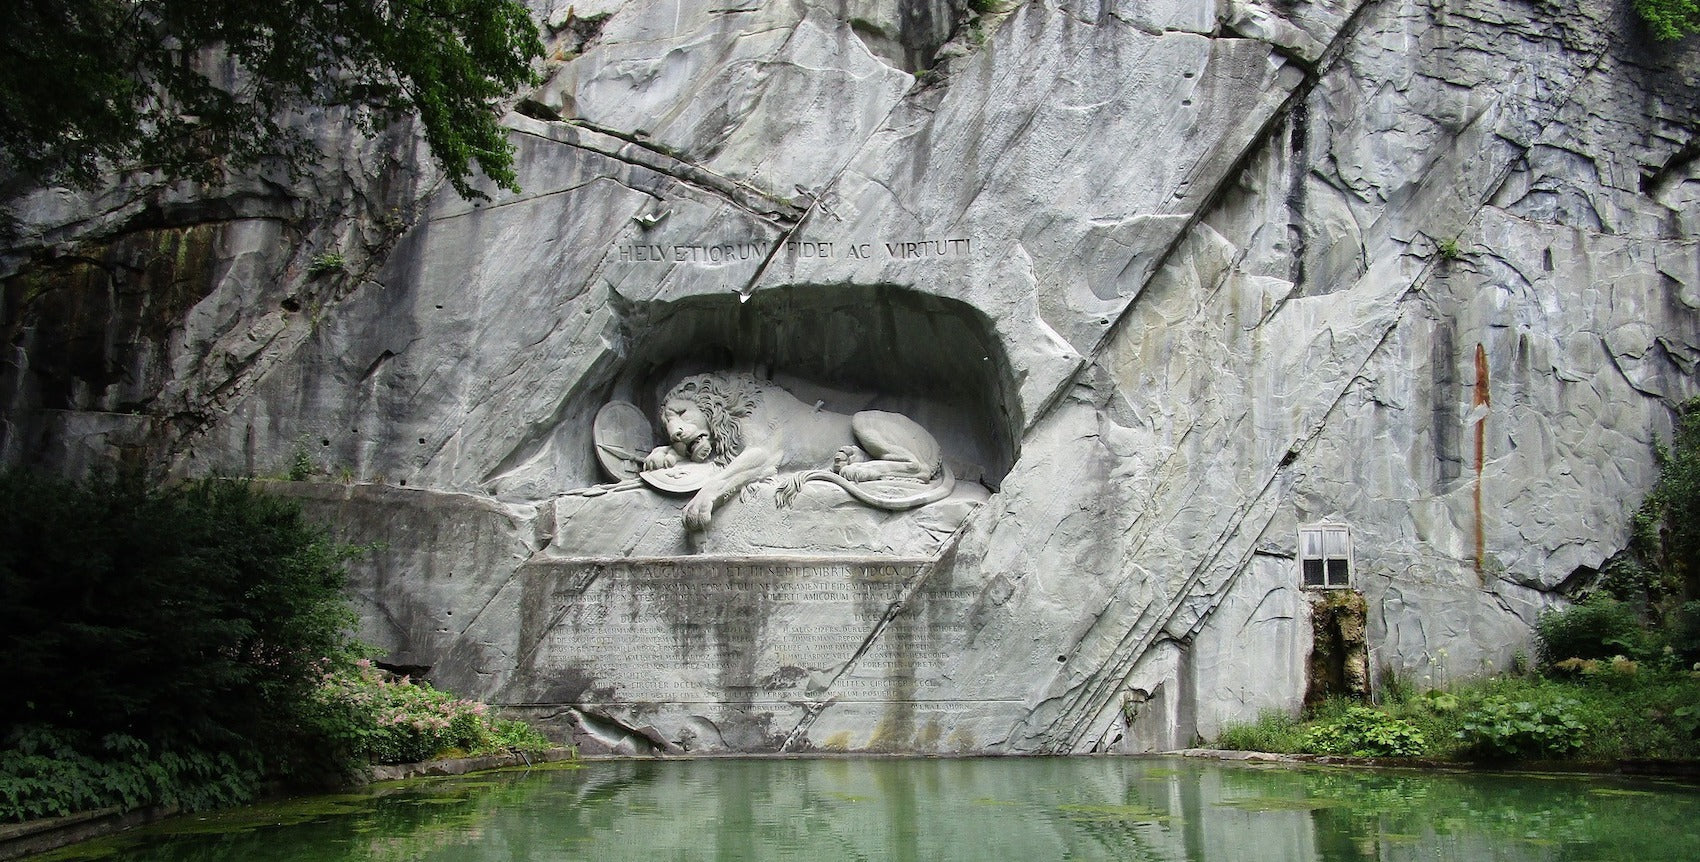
850, 347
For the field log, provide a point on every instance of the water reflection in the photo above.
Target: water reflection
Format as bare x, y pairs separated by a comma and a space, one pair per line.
1053, 808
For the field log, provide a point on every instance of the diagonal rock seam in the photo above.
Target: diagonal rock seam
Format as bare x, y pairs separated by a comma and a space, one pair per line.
1087, 703
897, 606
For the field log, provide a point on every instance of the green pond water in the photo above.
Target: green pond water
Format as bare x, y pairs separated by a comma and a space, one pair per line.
969, 809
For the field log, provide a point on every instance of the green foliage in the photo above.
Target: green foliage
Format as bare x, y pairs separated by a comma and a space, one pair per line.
1670, 19
1448, 249
508, 734
187, 644
1644, 607
300, 464
49, 772
1362, 731
1685, 634
1651, 713
1499, 728
1396, 686
326, 262
1274, 730
130, 84
191, 620
1668, 523
191, 613
367, 716
1599, 627
1440, 702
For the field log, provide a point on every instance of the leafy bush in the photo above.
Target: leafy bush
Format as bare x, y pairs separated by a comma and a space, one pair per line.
1599, 627
1653, 712
373, 717
1364, 732
49, 772
1658, 572
1439, 702
179, 625
190, 614
185, 645
325, 262
1670, 19
1501, 728
1685, 634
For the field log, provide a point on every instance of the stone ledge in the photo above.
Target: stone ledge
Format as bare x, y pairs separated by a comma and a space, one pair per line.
464, 765
18, 840
40, 836
1686, 770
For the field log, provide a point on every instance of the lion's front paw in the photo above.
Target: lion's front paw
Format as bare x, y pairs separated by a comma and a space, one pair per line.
847, 455
698, 512
662, 458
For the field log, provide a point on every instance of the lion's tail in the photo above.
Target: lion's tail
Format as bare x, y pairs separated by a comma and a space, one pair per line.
943, 484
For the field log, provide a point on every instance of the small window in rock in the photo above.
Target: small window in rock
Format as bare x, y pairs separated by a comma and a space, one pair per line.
1325, 555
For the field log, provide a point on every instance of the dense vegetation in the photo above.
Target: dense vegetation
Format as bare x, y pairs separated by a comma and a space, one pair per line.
1617, 673
1629, 713
191, 86
189, 645
1670, 19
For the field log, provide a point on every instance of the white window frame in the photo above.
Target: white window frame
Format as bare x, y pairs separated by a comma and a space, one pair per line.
1315, 545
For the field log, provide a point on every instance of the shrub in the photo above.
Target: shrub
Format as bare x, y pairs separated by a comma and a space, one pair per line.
1500, 728
52, 772
180, 626
1670, 19
371, 717
1599, 627
326, 262
185, 645
1686, 719
1364, 732
1685, 634
1658, 570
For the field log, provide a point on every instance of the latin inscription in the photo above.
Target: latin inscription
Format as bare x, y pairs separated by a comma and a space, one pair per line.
708, 631
732, 252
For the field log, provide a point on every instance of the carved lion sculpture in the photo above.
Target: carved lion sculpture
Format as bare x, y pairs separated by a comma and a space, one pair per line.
752, 430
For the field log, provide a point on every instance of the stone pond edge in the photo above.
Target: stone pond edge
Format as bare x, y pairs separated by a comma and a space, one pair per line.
18, 840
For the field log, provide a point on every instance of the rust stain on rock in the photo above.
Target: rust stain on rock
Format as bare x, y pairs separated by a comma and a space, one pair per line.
1482, 401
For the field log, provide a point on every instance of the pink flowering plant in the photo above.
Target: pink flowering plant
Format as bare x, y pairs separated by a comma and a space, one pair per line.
377, 717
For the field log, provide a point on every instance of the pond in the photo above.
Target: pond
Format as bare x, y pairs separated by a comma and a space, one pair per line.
949, 809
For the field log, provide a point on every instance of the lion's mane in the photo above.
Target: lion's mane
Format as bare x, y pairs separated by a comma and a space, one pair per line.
726, 400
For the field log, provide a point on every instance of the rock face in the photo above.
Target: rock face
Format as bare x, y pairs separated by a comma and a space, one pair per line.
1165, 282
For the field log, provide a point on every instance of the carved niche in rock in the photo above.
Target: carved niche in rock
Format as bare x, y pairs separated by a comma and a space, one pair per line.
725, 432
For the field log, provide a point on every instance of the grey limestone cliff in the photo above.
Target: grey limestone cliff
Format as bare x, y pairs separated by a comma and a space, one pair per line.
1169, 282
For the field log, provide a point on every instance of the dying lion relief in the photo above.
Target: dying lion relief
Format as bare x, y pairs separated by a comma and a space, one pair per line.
725, 431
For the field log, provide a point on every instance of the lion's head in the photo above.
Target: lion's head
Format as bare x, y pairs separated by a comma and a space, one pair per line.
724, 401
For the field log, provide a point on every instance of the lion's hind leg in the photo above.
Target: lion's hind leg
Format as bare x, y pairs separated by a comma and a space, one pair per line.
898, 448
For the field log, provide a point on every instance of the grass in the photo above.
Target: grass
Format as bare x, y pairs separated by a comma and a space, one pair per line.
1645, 714
1274, 730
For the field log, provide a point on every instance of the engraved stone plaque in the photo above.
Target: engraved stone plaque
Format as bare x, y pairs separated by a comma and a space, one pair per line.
739, 653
